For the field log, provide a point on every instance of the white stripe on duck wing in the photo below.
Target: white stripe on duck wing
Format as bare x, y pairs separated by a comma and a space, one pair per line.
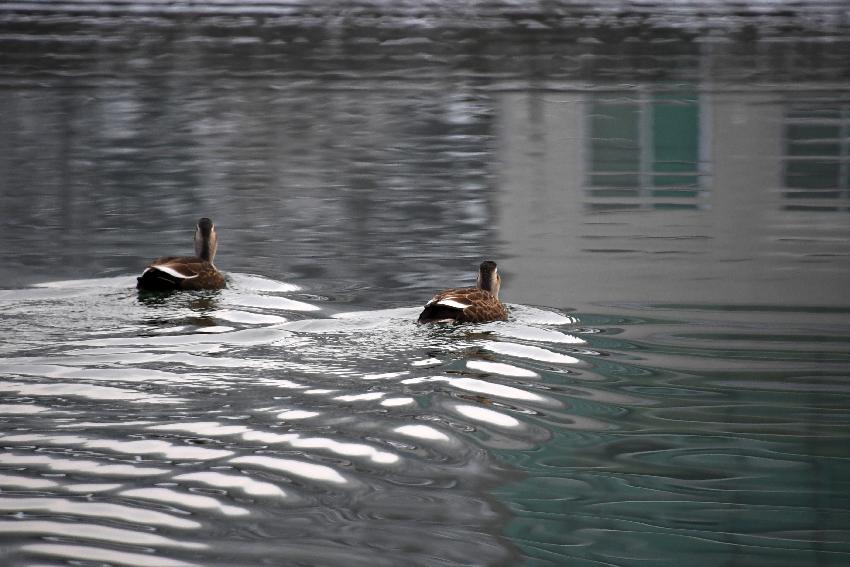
186, 272
171, 273
478, 304
451, 302
174, 272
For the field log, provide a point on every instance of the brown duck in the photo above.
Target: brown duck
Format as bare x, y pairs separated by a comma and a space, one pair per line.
186, 272
478, 304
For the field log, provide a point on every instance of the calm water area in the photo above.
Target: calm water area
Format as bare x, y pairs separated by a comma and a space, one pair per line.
666, 189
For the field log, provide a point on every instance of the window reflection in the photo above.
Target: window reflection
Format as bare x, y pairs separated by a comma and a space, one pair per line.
817, 158
645, 151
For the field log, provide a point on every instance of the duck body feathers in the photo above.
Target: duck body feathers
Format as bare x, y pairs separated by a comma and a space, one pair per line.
463, 305
169, 273
180, 272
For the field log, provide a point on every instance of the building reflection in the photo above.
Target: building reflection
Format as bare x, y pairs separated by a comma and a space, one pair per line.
393, 156
644, 149
816, 168
685, 194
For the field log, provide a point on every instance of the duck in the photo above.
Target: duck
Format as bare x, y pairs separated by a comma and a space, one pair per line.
196, 272
479, 304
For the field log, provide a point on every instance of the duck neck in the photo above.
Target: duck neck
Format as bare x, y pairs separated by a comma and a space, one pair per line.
489, 282
205, 244
204, 251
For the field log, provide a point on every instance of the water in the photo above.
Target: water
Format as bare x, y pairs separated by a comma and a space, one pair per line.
665, 187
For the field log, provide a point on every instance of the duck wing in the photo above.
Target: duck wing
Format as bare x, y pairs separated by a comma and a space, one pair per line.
170, 272
463, 305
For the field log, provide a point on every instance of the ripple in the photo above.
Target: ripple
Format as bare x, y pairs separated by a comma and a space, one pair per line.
535, 334
191, 501
248, 317
407, 384
139, 375
533, 352
79, 465
241, 337
87, 391
294, 440
101, 510
79, 530
488, 416
422, 432
294, 467
138, 447
529, 315
408, 430
253, 282
367, 397
397, 402
89, 488
22, 409
499, 390
26, 482
295, 414
487, 388
110, 556
92, 283
271, 302
501, 368
244, 483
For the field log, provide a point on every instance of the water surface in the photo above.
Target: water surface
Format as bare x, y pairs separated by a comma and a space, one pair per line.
666, 191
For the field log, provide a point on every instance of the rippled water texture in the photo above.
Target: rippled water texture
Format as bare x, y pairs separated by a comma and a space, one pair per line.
666, 188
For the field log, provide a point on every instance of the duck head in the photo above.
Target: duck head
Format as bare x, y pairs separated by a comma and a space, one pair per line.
489, 278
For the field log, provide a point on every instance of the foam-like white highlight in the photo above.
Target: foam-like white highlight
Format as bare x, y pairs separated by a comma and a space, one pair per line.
422, 432
297, 468
487, 415
501, 368
244, 483
187, 500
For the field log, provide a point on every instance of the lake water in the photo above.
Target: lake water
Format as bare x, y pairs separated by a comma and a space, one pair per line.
666, 188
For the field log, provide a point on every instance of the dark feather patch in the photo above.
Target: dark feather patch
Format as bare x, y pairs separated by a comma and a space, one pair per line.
433, 313
483, 307
208, 277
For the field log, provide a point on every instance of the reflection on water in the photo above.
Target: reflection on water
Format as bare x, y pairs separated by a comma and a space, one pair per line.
667, 195
349, 424
660, 431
